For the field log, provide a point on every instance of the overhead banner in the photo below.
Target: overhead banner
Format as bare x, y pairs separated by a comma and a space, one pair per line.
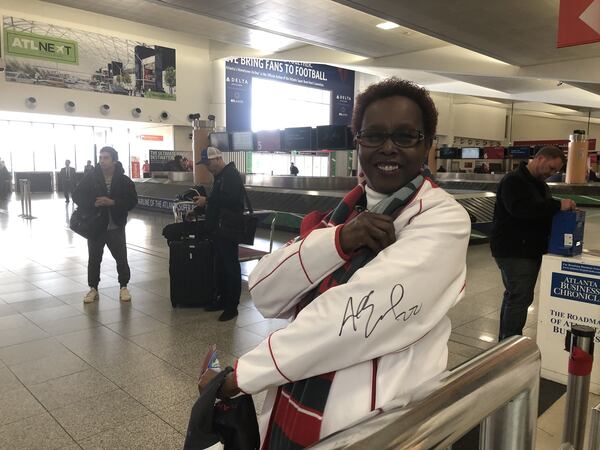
578, 22
239, 73
48, 55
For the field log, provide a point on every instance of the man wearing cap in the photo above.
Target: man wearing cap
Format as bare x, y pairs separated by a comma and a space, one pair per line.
227, 193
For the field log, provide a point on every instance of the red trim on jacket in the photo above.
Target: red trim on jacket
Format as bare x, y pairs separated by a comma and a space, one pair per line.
374, 385
338, 246
271, 272
302, 264
273, 357
235, 378
418, 212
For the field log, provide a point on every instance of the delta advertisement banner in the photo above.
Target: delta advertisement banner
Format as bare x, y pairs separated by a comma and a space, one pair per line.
569, 295
239, 73
47, 55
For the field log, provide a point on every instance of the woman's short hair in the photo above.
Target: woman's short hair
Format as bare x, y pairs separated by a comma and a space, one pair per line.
111, 151
392, 87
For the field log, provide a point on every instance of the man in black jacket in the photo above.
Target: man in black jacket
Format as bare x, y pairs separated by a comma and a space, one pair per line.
227, 194
67, 176
522, 221
109, 189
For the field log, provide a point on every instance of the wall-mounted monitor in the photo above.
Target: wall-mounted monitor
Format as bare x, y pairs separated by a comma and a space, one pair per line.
470, 153
268, 141
519, 152
449, 152
298, 138
242, 141
221, 140
332, 137
350, 138
493, 152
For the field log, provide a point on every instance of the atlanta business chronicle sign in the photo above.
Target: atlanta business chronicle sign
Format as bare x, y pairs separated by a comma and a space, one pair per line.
31, 45
572, 287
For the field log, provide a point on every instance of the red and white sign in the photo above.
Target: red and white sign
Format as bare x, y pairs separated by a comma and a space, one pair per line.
578, 22
150, 137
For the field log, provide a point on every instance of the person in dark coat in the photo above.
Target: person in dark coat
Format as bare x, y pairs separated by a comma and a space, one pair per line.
293, 169
521, 228
88, 167
5, 181
227, 193
67, 176
109, 189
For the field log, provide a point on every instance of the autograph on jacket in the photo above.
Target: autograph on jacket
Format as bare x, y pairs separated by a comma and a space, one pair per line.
367, 309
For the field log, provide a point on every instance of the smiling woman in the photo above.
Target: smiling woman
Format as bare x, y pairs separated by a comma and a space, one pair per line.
367, 285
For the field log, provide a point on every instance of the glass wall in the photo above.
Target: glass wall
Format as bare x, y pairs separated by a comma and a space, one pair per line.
44, 147
279, 164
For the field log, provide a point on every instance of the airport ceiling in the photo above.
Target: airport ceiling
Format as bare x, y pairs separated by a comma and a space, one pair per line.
504, 49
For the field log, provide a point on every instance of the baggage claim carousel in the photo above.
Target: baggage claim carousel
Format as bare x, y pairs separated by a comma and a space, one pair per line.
300, 195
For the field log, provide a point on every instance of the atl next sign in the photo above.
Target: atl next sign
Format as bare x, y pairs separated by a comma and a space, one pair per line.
30, 45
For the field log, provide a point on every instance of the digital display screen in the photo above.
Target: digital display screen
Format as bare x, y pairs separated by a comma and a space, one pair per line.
242, 141
519, 152
470, 153
220, 140
493, 152
268, 141
448, 152
297, 138
332, 137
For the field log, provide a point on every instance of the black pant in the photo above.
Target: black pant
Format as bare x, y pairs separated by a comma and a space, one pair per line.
229, 272
115, 240
67, 192
519, 276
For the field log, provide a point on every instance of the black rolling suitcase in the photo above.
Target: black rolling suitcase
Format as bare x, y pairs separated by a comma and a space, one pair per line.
192, 272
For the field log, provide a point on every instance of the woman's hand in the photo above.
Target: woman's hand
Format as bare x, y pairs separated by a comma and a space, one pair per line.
228, 389
368, 229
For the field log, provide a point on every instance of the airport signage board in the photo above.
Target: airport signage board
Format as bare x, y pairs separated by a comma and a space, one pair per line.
569, 294
48, 55
578, 22
240, 72
31, 45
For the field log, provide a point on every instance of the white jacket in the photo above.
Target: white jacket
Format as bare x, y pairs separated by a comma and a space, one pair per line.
385, 331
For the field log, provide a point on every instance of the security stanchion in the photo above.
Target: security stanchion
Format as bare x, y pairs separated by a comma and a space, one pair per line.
580, 344
594, 437
25, 188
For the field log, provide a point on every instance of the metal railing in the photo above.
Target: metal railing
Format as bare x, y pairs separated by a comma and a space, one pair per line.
594, 437
25, 190
498, 389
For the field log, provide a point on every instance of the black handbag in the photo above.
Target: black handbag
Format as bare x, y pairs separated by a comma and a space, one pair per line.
86, 223
230, 421
237, 227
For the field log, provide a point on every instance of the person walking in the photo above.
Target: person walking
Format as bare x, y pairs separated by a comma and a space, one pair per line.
520, 232
293, 169
110, 191
88, 167
227, 194
67, 176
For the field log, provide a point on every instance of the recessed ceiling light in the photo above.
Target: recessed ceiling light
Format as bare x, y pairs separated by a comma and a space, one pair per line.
387, 25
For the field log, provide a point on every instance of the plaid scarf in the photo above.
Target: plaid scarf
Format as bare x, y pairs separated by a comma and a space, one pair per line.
295, 421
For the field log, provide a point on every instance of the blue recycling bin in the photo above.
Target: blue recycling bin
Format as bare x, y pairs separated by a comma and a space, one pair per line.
567, 233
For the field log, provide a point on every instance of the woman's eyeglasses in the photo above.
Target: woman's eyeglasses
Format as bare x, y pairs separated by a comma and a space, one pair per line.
400, 138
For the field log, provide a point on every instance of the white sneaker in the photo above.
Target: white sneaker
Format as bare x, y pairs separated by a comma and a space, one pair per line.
91, 296
124, 295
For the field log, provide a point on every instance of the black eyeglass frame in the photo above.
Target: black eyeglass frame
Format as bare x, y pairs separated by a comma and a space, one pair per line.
359, 135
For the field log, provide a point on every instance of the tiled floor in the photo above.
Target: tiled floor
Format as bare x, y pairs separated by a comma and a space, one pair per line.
111, 375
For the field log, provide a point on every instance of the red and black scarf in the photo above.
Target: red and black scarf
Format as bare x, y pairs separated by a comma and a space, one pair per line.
295, 421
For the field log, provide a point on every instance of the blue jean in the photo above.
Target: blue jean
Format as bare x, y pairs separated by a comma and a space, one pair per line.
519, 276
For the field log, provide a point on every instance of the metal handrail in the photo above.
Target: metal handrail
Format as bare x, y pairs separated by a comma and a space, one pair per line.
498, 389
594, 437
276, 215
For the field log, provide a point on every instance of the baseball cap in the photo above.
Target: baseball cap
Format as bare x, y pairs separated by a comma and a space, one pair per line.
209, 153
